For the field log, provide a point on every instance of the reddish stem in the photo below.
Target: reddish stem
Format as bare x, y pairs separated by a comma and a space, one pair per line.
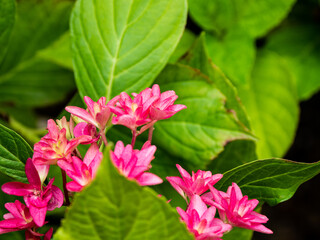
66, 193
150, 133
134, 137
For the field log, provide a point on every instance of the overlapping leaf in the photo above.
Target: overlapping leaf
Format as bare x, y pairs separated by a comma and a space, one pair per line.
271, 103
253, 17
14, 152
198, 133
300, 46
123, 45
7, 13
24, 78
115, 208
271, 180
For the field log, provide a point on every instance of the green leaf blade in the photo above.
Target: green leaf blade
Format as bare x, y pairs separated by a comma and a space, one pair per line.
122, 47
115, 208
200, 132
14, 152
270, 180
7, 16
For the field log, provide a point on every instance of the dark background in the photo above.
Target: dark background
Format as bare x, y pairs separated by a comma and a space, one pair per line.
299, 217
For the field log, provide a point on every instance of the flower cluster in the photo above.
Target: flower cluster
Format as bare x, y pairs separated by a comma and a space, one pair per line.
60, 147
235, 210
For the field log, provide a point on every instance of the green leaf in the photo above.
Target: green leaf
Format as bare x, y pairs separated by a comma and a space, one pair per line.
234, 53
271, 103
184, 45
300, 47
200, 132
24, 78
59, 52
7, 14
123, 45
36, 83
198, 58
14, 152
270, 180
114, 208
38, 24
235, 154
254, 17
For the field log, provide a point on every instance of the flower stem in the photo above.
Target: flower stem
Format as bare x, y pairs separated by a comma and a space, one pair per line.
103, 137
66, 193
150, 133
134, 137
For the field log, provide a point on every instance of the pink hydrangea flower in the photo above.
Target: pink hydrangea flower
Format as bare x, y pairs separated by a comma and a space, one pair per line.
201, 222
86, 129
198, 183
98, 113
132, 113
55, 146
164, 106
147, 107
82, 172
38, 198
133, 163
18, 219
236, 209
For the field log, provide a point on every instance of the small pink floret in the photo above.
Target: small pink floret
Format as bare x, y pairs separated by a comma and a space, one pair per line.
134, 163
237, 210
38, 198
197, 183
55, 146
18, 219
97, 113
147, 107
82, 172
201, 221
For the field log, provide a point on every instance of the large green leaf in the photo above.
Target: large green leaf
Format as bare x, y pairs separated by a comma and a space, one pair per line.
7, 13
114, 208
271, 102
37, 25
200, 132
36, 83
253, 16
184, 45
271, 180
234, 53
300, 46
59, 52
14, 152
123, 45
234, 155
24, 78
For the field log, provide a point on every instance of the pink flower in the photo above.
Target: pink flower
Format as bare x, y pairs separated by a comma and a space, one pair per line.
69, 126
132, 113
86, 129
18, 219
198, 183
38, 198
82, 172
164, 107
237, 210
133, 163
201, 222
55, 146
98, 114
